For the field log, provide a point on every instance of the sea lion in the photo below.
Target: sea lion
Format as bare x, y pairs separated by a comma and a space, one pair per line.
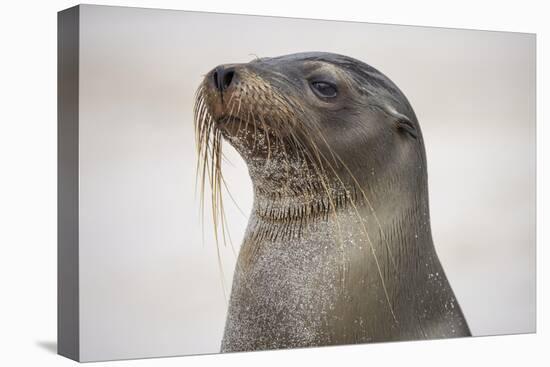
338, 247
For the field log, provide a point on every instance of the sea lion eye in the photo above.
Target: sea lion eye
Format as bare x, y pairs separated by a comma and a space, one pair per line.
324, 89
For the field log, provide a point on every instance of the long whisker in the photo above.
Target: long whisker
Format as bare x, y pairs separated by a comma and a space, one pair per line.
337, 159
209, 159
371, 245
364, 195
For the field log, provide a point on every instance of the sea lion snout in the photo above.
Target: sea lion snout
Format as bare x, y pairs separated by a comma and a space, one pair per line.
223, 78
221, 82
243, 98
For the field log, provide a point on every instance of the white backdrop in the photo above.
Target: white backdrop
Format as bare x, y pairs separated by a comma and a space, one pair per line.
29, 241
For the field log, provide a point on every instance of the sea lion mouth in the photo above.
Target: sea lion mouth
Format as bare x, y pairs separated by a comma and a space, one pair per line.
228, 122
234, 127
227, 119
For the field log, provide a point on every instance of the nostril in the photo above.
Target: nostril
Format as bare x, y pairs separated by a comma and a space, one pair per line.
215, 77
227, 78
223, 77
216, 80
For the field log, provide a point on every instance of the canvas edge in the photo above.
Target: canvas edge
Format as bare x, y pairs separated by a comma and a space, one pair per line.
68, 328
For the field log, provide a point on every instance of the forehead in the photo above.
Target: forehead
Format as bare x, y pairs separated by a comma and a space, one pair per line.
299, 59
301, 63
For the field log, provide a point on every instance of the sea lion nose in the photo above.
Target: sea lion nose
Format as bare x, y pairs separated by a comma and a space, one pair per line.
222, 77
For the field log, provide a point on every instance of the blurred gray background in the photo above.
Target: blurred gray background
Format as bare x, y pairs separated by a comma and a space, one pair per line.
149, 284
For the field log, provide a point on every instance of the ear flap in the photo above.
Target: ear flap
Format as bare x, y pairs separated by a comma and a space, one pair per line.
402, 122
406, 125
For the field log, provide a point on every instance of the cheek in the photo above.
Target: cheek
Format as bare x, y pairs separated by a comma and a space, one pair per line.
341, 121
358, 134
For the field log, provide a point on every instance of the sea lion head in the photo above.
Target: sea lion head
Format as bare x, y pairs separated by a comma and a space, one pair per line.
311, 121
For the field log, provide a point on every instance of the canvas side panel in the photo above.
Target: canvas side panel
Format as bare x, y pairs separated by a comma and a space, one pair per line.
67, 183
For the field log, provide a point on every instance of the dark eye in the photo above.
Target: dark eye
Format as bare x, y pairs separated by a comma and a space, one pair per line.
324, 89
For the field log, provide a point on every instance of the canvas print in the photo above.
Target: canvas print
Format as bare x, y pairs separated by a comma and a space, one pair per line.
233, 183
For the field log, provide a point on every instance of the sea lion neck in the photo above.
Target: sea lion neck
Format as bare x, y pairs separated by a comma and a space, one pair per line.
291, 188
